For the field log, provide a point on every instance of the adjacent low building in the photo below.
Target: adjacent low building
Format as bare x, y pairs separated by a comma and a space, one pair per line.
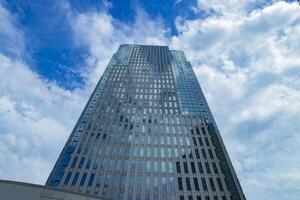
11, 190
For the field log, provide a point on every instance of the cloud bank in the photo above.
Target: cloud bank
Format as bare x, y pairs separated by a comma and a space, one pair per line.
246, 58
249, 68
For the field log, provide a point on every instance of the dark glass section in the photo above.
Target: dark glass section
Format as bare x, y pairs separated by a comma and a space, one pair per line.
232, 183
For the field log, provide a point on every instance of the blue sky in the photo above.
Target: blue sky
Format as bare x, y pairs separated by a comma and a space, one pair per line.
245, 54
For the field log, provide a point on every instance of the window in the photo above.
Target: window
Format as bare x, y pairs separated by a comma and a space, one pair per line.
164, 184
180, 186
200, 167
155, 183
196, 184
96, 163
210, 154
170, 167
106, 181
68, 178
75, 178
207, 168
139, 183
147, 183
88, 163
194, 141
148, 166
200, 141
155, 166
204, 154
98, 183
92, 176
192, 131
204, 184
74, 162
206, 141
193, 167
215, 167
185, 166
203, 130
197, 130
163, 167
83, 179
220, 184
172, 187
81, 162
212, 185
178, 167
188, 184
197, 153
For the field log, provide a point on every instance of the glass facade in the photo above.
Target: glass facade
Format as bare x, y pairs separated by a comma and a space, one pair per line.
147, 133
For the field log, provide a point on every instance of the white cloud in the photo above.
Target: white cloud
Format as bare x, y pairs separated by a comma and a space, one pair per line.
103, 35
276, 99
12, 40
232, 8
33, 127
248, 65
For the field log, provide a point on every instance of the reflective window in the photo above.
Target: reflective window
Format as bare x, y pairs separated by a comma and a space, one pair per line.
83, 179
75, 178
92, 176
68, 178
204, 185
188, 184
196, 184
180, 186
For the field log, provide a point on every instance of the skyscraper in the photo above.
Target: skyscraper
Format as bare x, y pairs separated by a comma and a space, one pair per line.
147, 133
